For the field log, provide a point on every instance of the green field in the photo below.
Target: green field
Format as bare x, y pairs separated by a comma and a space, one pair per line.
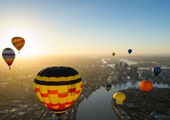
130, 104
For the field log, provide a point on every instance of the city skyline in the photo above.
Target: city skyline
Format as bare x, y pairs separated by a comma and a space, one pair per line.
18, 99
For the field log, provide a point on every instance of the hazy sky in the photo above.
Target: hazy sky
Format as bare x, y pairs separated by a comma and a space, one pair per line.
86, 26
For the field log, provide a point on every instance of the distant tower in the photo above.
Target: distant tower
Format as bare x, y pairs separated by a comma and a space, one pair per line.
125, 67
134, 71
146, 73
135, 74
150, 70
116, 66
120, 66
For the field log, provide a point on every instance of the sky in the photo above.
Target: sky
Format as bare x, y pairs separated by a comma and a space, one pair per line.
86, 26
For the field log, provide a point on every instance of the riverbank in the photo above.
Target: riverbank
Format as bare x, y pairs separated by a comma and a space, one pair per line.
140, 106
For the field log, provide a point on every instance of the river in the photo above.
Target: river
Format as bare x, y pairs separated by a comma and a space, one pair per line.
98, 105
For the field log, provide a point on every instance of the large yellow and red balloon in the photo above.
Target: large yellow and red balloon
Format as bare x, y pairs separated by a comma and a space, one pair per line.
119, 98
18, 42
8, 55
145, 86
58, 88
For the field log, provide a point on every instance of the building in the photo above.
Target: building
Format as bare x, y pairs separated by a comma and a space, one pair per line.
116, 66
125, 67
27, 90
120, 66
21, 113
150, 70
146, 74
133, 72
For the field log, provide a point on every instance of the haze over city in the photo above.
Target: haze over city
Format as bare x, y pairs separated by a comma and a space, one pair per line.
85, 60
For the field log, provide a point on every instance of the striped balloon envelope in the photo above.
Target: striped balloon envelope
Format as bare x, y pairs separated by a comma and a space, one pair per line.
58, 88
18, 42
156, 70
9, 55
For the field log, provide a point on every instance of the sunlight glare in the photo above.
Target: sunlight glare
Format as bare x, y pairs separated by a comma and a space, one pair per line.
29, 48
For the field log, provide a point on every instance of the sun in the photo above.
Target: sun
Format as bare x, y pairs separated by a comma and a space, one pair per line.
30, 46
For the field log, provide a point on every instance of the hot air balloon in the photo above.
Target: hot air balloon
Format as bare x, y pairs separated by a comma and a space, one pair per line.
108, 87
119, 98
9, 55
58, 88
129, 51
113, 54
156, 71
18, 43
145, 86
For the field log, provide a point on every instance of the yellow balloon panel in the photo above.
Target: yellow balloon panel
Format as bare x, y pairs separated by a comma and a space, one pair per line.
71, 93
78, 90
44, 94
53, 94
62, 94
37, 92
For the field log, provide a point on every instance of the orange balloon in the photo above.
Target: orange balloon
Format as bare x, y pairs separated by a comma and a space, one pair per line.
145, 86
18, 42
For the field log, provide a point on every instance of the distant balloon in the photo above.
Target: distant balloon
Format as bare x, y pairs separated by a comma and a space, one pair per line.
156, 71
108, 87
145, 86
8, 55
58, 88
18, 43
113, 54
119, 98
129, 51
